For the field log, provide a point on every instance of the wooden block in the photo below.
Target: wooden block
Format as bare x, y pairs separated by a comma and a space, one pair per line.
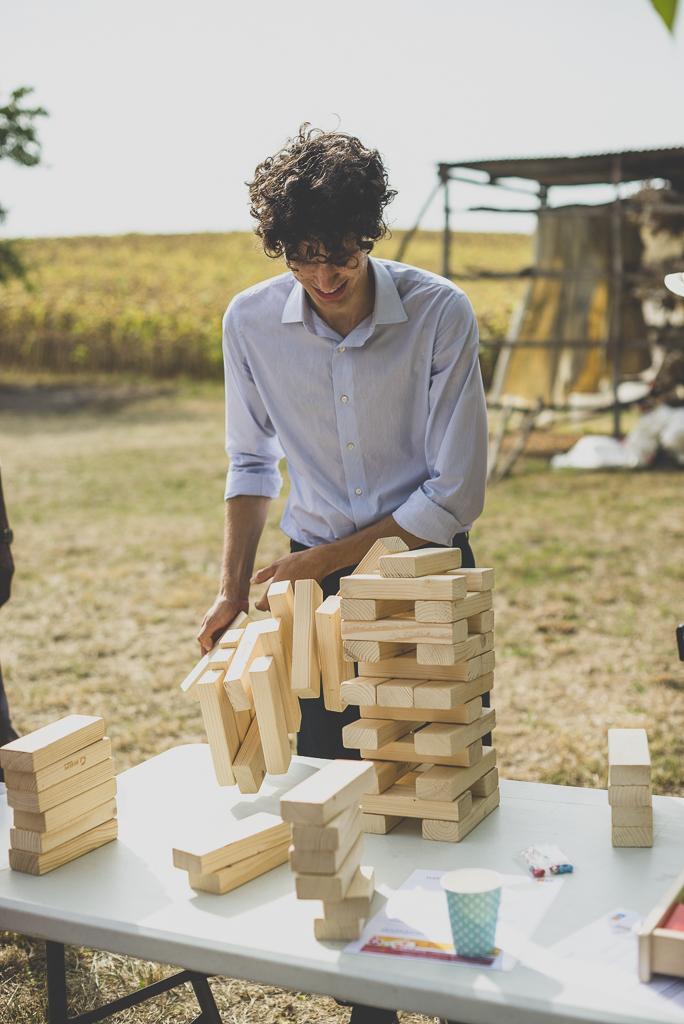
330, 836
271, 716
371, 561
461, 714
230, 639
447, 738
478, 579
455, 831
375, 733
361, 690
420, 562
51, 743
229, 878
387, 773
449, 611
221, 657
220, 723
189, 684
326, 862
334, 668
34, 803
632, 817
445, 783
359, 609
231, 843
241, 620
237, 683
43, 842
357, 902
274, 645
488, 662
331, 888
373, 650
63, 815
380, 824
404, 749
404, 629
406, 667
445, 694
423, 588
452, 654
482, 623
249, 766
403, 802
487, 784
41, 863
60, 771
633, 836
306, 670
347, 930
396, 693
326, 793
281, 602
630, 796
629, 759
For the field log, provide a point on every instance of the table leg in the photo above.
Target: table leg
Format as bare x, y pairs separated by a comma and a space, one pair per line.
56, 983
205, 998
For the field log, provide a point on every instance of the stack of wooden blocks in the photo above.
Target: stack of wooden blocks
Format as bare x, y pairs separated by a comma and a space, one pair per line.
217, 864
327, 845
630, 792
60, 782
421, 629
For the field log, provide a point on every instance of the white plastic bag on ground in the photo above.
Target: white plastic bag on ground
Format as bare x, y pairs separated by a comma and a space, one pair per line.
664, 427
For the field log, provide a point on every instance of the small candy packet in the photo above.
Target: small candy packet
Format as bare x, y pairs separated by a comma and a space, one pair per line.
544, 859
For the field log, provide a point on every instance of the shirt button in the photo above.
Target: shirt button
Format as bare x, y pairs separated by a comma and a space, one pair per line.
344, 398
341, 348
359, 491
350, 446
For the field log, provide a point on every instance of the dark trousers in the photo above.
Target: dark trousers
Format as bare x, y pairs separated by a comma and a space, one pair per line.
320, 734
7, 733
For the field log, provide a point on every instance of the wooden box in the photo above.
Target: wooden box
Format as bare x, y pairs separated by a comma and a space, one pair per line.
661, 951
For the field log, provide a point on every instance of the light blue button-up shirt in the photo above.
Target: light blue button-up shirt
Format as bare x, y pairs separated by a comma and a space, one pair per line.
389, 420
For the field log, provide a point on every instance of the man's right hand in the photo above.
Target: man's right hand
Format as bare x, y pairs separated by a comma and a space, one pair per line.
218, 619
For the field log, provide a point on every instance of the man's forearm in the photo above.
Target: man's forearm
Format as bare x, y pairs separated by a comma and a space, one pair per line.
245, 520
350, 550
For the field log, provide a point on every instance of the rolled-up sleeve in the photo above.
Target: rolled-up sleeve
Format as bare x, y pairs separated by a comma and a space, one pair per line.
251, 441
456, 440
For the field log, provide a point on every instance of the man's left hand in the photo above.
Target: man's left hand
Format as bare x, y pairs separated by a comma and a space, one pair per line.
301, 565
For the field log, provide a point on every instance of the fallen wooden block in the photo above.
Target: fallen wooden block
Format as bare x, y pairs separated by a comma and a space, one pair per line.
325, 862
385, 546
364, 610
361, 690
477, 579
330, 836
630, 796
249, 766
482, 623
270, 715
629, 759
63, 815
373, 650
396, 693
633, 836
487, 784
447, 738
375, 733
404, 749
231, 843
632, 817
331, 888
221, 726
445, 783
449, 611
274, 645
445, 694
41, 863
43, 842
227, 879
455, 831
452, 654
387, 773
420, 562
326, 793
306, 669
406, 667
347, 930
461, 714
357, 902
62, 770
405, 629
380, 824
21, 800
51, 743
236, 682
334, 668
403, 802
422, 588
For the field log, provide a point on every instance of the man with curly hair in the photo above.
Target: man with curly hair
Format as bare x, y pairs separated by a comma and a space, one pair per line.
363, 373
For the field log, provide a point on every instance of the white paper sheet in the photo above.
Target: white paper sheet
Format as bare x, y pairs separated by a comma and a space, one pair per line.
414, 923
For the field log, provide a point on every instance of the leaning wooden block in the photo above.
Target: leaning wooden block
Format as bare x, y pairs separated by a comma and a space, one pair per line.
630, 796
361, 690
385, 546
334, 668
478, 579
227, 879
231, 638
325, 862
236, 682
63, 815
423, 588
357, 902
331, 888
373, 734
629, 759
449, 611
306, 670
404, 749
41, 863
406, 667
452, 654
387, 773
455, 831
396, 693
189, 684
51, 743
249, 766
632, 836
445, 694
241, 620
228, 844
445, 738
403, 802
405, 629
221, 657
380, 824
445, 782
281, 602
360, 609
43, 842
632, 817
347, 930
220, 723
62, 770
487, 784
461, 714
373, 650
270, 715
326, 793
420, 562
331, 836
481, 623
20, 800
274, 645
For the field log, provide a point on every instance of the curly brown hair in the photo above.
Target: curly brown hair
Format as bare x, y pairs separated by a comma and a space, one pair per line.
323, 189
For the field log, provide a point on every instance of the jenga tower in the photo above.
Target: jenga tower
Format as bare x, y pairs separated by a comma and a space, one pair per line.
630, 793
421, 629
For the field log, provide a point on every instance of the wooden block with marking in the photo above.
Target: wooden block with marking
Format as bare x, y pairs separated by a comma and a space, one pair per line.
347, 930
373, 650
236, 682
444, 782
420, 562
227, 879
629, 759
326, 793
361, 690
487, 784
326, 862
630, 796
274, 645
62, 770
21, 800
404, 749
455, 831
249, 766
387, 773
632, 817
357, 902
406, 667
221, 726
43, 842
478, 579
396, 693
227, 844
422, 588
380, 824
385, 546
41, 863
632, 836
447, 738
482, 623
51, 743
334, 668
331, 888
366, 611
63, 815
375, 733
270, 715
449, 611
403, 802
330, 836
405, 629
462, 714
306, 669
452, 654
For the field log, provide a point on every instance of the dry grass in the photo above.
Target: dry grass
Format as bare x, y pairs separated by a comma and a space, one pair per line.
118, 513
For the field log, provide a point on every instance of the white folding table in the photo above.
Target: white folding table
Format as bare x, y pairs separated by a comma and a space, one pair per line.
128, 898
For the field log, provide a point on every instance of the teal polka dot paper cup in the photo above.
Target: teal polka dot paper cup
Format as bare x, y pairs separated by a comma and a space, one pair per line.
473, 897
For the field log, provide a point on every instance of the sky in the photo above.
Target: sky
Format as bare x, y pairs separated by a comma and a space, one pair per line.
161, 109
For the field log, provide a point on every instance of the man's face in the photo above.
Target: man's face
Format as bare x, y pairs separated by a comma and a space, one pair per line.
328, 285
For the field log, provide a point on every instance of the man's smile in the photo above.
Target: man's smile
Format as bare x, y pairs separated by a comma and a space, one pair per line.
327, 296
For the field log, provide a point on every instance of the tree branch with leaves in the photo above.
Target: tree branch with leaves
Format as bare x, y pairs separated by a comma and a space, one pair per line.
18, 142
